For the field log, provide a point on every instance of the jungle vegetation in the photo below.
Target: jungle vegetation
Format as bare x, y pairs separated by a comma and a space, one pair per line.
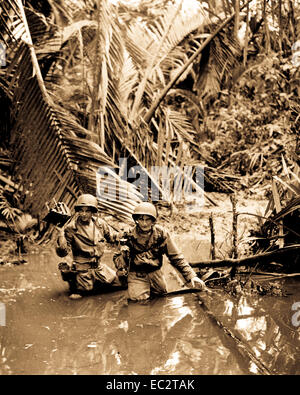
84, 83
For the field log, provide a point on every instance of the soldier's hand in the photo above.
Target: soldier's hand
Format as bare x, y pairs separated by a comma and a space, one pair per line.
61, 239
196, 282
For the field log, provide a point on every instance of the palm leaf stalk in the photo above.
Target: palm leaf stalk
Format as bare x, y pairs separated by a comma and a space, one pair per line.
160, 59
152, 63
118, 130
179, 73
100, 75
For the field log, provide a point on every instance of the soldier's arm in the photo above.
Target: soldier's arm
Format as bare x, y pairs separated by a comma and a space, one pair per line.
63, 247
111, 235
177, 259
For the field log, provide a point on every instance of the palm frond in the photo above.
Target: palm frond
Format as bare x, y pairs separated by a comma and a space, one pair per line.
159, 47
51, 160
128, 84
222, 58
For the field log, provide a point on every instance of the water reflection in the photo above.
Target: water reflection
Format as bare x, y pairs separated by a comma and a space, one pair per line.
46, 333
264, 325
107, 335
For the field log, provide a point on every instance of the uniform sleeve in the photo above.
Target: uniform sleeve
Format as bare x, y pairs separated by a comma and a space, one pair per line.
177, 259
111, 236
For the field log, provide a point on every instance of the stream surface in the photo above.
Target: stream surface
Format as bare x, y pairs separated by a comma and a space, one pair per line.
43, 332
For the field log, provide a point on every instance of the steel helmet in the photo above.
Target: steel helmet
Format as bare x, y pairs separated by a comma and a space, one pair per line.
145, 208
87, 200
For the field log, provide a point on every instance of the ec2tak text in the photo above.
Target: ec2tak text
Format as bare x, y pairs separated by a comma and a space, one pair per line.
151, 384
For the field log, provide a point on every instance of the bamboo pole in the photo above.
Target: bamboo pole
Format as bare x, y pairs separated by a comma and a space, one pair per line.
234, 226
212, 238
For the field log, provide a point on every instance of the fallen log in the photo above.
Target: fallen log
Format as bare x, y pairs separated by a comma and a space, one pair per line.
264, 257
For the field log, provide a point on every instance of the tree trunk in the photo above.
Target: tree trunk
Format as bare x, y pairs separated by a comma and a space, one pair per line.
236, 18
245, 52
280, 24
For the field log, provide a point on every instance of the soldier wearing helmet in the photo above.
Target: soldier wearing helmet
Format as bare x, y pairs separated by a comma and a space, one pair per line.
145, 208
84, 237
147, 242
87, 200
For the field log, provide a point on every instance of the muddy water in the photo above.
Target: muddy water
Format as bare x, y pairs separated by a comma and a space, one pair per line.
47, 333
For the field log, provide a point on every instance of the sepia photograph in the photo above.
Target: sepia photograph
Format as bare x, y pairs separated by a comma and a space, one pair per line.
149, 190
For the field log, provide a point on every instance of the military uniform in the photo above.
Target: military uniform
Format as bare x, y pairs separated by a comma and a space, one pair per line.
146, 258
87, 243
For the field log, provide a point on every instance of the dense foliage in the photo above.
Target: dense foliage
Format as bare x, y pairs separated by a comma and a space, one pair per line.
250, 127
118, 81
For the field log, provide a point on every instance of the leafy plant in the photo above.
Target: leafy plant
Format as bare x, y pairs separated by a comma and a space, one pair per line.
111, 77
7, 210
281, 218
52, 157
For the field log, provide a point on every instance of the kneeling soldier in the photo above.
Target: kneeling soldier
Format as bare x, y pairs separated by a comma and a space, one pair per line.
147, 242
85, 236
